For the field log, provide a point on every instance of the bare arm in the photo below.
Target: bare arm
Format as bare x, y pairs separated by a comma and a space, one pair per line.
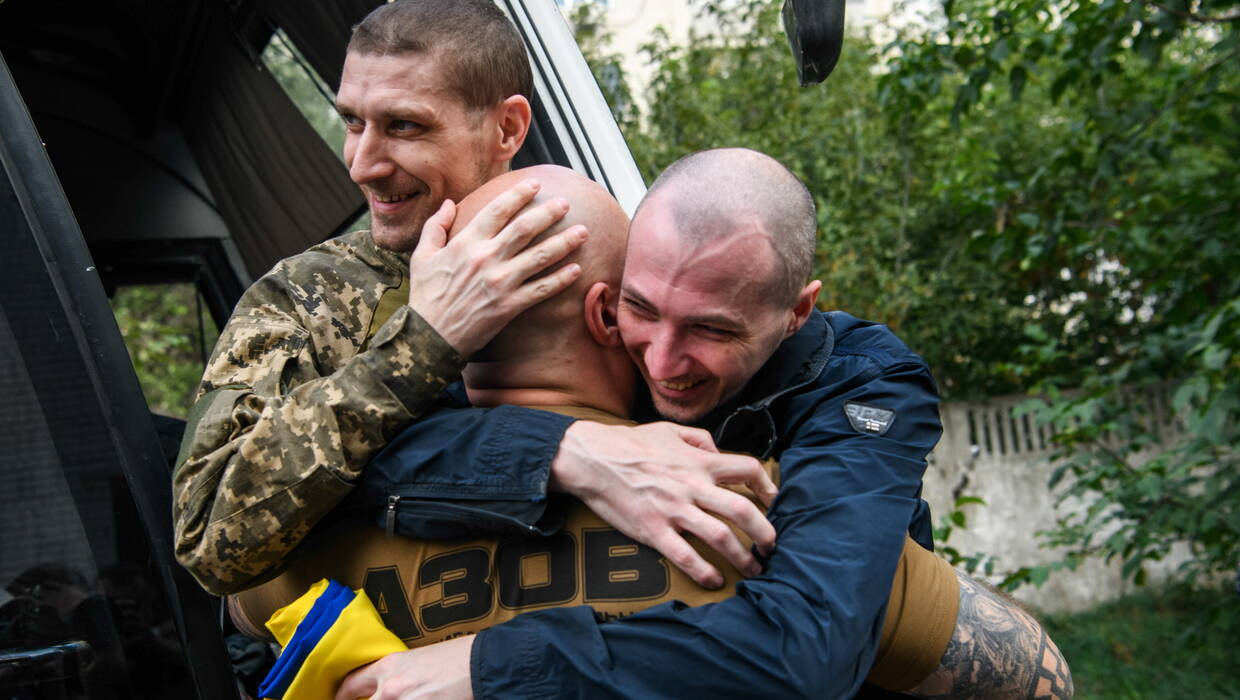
996, 651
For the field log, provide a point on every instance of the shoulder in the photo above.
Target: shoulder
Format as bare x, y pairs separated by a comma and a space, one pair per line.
855, 337
327, 295
350, 258
348, 267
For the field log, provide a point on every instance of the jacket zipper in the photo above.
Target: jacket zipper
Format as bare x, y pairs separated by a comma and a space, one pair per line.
390, 523
393, 505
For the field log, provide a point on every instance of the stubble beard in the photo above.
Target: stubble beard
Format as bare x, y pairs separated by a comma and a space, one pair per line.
394, 234
388, 231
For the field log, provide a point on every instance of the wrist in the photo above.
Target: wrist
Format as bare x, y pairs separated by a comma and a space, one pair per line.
567, 467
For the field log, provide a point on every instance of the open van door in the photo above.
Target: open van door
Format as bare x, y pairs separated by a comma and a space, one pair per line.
160, 150
93, 603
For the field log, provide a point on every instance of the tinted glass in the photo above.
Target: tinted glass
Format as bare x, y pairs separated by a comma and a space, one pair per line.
82, 611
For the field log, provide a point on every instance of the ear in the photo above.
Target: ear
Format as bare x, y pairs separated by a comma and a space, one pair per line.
600, 314
804, 305
512, 123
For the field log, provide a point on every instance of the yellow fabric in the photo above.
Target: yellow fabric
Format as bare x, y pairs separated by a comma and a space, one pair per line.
283, 622
357, 638
389, 303
920, 620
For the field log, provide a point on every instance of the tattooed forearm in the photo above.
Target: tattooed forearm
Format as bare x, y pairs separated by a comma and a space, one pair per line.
997, 651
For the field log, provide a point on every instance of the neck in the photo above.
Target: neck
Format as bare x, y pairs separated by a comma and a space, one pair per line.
602, 378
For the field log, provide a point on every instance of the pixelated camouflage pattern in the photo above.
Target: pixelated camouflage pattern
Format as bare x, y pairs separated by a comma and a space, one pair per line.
291, 407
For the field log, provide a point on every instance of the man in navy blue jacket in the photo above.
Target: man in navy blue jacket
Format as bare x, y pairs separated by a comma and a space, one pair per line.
718, 315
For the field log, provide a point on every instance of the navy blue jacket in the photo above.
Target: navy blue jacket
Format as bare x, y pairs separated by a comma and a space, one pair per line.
808, 625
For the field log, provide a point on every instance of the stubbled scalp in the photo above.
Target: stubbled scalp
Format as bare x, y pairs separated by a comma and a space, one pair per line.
712, 194
482, 54
997, 651
601, 257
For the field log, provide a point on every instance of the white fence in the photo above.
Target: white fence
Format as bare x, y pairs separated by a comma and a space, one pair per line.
990, 452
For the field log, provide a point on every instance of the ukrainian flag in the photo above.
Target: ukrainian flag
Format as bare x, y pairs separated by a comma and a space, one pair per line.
325, 634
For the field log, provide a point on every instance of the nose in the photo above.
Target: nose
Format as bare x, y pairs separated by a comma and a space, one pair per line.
663, 356
370, 159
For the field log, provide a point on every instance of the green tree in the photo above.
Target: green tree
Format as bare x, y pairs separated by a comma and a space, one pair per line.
1039, 196
169, 334
1127, 229
890, 248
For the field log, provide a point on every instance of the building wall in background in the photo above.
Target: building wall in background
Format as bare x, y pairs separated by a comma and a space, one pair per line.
990, 452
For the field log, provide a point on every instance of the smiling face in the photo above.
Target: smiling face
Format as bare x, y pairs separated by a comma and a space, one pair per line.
411, 142
699, 318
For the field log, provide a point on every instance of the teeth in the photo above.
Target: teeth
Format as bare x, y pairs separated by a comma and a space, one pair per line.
678, 386
393, 198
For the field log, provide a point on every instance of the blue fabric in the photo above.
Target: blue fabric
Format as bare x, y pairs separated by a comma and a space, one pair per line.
310, 630
809, 625
462, 473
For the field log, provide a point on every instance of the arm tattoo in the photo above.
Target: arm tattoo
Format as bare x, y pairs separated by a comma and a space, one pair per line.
997, 651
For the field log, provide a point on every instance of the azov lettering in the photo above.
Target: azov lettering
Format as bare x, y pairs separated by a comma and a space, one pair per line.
526, 573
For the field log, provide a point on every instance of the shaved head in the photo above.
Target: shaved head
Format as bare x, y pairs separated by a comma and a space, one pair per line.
712, 194
557, 322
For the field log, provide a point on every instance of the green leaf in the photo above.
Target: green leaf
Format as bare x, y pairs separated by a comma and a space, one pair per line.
1057, 476
1029, 219
1212, 326
1016, 81
1062, 82
1036, 333
1215, 357
999, 50
1039, 574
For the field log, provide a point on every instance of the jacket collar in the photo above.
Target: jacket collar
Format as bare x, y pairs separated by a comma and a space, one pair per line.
797, 361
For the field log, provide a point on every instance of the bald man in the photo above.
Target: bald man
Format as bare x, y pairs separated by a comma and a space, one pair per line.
565, 355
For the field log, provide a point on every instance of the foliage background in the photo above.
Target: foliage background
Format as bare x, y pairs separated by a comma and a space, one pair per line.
1037, 195
169, 334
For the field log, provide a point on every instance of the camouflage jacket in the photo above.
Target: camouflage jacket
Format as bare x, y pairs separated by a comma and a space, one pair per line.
321, 364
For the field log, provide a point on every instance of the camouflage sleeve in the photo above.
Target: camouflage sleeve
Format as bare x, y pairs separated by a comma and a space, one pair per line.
277, 436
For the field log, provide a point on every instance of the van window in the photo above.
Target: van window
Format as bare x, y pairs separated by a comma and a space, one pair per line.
313, 96
169, 335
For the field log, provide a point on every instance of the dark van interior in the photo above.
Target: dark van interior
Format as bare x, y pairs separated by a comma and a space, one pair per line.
151, 132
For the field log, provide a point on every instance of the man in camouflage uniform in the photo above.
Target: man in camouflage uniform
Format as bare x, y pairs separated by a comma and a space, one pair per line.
305, 385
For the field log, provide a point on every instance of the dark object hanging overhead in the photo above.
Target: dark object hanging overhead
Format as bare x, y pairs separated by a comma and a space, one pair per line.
815, 30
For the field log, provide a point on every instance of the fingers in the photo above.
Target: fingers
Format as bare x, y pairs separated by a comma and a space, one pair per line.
499, 211
511, 239
435, 230
697, 437
739, 469
358, 684
537, 290
530, 262
683, 556
719, 537
741, 512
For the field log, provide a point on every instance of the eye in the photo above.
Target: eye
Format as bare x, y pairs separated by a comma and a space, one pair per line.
404, 126
637, 308
715, 332
350, 120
